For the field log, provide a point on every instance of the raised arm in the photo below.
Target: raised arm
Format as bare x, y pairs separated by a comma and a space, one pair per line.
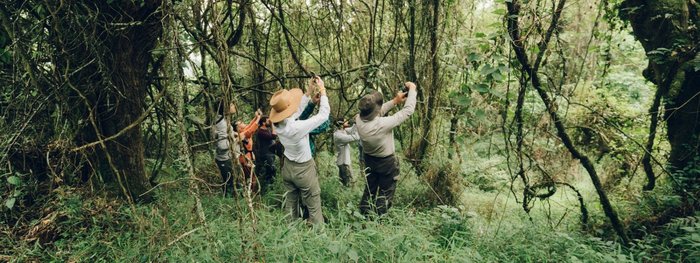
304, 102
307, 111
386, 107
321, 128
408, 108
252, 127
306, 126
342, 137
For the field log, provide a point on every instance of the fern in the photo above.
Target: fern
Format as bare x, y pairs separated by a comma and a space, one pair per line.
677, 224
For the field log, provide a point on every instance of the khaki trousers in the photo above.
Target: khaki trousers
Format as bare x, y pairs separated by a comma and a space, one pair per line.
301, 180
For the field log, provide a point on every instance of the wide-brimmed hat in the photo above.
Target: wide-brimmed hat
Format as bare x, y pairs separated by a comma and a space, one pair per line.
370, 105
284, 103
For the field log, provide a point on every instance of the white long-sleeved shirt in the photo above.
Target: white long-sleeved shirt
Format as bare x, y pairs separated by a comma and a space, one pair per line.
342, 139
294, 134
377, 135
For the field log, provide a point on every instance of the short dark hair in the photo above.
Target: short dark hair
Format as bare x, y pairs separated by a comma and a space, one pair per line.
262, 120
220, 108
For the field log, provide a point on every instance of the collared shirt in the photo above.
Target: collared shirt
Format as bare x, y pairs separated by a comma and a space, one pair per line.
342, 139
377, 135
294, 134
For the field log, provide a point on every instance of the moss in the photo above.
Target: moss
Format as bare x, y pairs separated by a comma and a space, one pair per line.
676, 86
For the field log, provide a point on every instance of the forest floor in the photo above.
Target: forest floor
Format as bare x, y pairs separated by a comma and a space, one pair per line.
487, 226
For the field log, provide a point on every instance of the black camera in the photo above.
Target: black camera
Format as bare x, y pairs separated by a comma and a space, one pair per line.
404, 89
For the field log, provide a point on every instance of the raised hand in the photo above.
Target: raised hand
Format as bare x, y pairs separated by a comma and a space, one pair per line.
320, 85
400, 97
311, 88
410, 85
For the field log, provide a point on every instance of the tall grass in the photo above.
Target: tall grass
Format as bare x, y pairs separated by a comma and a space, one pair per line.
488, 226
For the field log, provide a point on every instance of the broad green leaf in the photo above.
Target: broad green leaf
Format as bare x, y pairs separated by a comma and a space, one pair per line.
10, 203
13, 180
473, 57
481, 88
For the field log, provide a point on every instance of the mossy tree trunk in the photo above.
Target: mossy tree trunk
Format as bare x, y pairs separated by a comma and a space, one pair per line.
669, 32
105, 49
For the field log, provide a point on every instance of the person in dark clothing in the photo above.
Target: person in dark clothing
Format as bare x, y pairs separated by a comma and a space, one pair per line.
265, 158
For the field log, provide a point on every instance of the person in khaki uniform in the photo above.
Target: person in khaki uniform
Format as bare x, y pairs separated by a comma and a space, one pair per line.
299, 170
377, 139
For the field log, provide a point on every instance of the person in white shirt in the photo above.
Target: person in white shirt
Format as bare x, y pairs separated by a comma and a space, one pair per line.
342, 137
299, 170
224, 137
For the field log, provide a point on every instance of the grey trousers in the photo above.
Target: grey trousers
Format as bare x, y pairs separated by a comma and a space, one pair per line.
345, 174
301, 180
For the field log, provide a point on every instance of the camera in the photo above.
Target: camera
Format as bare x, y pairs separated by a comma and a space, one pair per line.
403, 89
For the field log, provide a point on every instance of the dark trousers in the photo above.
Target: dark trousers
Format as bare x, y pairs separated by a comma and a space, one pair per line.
265, 168
382, 175
345, 174
226, 170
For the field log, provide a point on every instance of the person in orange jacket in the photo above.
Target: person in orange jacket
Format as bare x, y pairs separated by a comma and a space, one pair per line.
245, 137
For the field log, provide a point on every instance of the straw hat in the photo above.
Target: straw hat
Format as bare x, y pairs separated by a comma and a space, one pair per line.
370, 105
284, 103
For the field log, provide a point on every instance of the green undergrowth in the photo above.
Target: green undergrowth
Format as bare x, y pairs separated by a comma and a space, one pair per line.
485, 227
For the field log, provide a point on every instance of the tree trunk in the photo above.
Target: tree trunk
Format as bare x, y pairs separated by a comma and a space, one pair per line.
113, 88
668, 31
431, 92
130, 57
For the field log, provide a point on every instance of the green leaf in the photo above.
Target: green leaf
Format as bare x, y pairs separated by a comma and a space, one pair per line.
463, 101
481, 88
480, 35
465, 88
352, 254
480, 114
499, 11
10, 203
473, 57
497, 76
14, 180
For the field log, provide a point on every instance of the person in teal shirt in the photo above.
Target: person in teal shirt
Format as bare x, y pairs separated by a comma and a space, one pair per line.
318, 130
